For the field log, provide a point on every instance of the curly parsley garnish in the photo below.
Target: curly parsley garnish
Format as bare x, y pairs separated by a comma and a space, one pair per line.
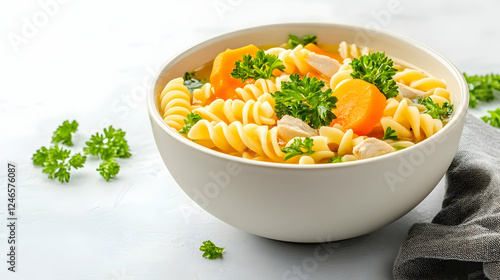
260, 66
335, 159
482, 87
436, 111
192, 119
55, 162
210, 250
64, 133
108, 146
304, 99
299, 147
376, 68
493, 119
390, 134
294, 40
191, 83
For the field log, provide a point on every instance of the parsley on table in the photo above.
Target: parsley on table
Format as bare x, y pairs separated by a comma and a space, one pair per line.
304, 99
108, 146
335, 159
192, 119
210, 250
191, 83
436, 111
390, 134
299, 147
55, 162
493, 119
64, 132
260, 66
376, 68
482, 87
294, 40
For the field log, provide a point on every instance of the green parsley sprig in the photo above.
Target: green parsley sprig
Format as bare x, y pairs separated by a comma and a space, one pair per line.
436, 111
210, 250
191, 82
299, 147
294, 40
55, 162
260, 66
390, 134
376, 68
481, 88
335, 159
108, 146
192, 119
493, 119
64, 133
304, 98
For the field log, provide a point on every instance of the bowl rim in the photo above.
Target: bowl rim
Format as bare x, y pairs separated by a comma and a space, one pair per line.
155, 116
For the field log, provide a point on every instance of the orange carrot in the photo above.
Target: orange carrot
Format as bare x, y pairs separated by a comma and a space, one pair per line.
315, 49
225, 85
360, 106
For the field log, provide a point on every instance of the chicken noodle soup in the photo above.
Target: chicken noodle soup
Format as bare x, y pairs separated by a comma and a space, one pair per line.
306, 103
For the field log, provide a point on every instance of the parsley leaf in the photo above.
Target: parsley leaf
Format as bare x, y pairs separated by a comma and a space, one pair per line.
305, 100
108, 146
390, 134
260, 66
493, 119
335, 159
481, 88
192, 119
191, 83
63, 133
436, 111
210, 250
294, 40
108, 169
399, 148
55, 162
299, 147
111, 144
376, 68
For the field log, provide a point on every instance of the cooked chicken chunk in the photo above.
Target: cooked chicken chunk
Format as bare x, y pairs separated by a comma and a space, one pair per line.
410, 92
323, 64
290, 127
372, 147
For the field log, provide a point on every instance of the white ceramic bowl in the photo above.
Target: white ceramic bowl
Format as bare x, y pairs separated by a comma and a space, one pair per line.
314, 203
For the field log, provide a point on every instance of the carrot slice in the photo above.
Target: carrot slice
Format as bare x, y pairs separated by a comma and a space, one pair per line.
315, 49
360, 106
220, 78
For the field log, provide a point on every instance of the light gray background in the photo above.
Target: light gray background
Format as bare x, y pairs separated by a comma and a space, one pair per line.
92, 60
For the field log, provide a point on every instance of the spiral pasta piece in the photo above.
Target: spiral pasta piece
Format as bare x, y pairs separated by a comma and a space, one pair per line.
237, 137
228, 111
320, 148
351, 51
255, 90
433, 87
342, 76
175, 103
341, 141
201, 95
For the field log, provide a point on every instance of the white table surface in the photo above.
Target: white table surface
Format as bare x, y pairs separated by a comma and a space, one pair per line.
87, 60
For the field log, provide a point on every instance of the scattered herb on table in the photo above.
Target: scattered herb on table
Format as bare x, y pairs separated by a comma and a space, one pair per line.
210, 250
64, 133
304, 99
260, 66
55, 163
482, 88
493, 119
376, 68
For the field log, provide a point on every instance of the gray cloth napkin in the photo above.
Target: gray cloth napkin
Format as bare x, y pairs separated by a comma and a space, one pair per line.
463, 240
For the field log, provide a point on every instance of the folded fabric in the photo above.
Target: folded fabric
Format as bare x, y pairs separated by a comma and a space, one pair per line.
463, 240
